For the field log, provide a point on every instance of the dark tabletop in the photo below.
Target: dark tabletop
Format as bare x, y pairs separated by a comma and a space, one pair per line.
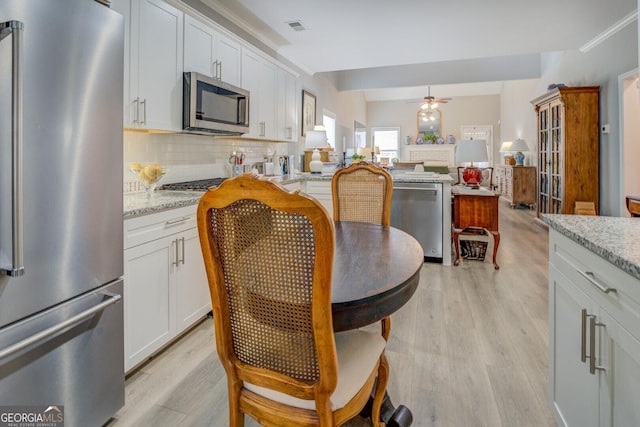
376, 270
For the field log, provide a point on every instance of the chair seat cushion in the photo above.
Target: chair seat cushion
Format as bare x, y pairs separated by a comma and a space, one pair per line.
358, 352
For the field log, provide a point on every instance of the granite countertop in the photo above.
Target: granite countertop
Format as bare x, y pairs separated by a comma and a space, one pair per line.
613, 238
139, 204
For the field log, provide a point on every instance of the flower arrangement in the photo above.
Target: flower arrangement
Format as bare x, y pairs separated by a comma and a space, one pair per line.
357, 157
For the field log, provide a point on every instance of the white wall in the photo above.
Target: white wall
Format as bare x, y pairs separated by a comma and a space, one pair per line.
463, 110
601, 66
517, 116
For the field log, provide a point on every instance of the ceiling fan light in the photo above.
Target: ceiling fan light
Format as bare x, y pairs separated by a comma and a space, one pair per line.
424, 106
434, 105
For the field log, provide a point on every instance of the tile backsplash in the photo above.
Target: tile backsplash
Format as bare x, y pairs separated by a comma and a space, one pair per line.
189, 157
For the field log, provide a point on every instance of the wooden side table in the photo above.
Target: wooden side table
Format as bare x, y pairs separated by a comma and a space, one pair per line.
633, 205
475, 209
517, 184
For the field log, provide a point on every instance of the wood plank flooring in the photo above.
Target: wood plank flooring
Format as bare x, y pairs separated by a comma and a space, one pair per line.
469, 349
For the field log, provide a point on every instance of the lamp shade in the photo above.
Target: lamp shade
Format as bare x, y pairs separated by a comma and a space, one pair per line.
315, 138
471, 150
519, 145
505, 147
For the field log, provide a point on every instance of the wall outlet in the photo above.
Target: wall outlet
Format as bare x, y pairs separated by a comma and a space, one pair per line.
604, 128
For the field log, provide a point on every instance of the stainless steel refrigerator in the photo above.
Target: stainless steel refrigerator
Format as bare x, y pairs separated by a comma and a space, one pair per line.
61, 259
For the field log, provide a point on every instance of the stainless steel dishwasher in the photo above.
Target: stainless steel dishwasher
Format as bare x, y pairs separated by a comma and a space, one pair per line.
416, 208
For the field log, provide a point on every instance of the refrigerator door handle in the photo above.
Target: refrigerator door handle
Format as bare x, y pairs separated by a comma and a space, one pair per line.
16, 29
112, 299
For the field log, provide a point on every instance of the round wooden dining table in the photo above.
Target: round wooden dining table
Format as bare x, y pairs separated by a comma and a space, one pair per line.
376, 270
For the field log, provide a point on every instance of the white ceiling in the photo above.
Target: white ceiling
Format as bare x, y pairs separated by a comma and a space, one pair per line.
361, 34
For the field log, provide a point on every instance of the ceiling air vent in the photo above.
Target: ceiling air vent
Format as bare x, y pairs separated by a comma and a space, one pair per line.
296, 25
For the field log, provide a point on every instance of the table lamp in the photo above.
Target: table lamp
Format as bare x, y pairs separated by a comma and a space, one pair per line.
315, 139
519, 146
469, 151
505, 149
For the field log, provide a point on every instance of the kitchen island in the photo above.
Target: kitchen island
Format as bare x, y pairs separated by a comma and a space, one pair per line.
316, 185
594, 320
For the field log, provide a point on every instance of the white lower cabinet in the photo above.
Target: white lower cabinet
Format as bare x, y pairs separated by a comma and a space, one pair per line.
166, 288
321, 190
594, 345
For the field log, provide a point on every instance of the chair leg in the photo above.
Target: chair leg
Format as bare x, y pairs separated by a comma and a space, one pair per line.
386, 327
381, 388
236, 417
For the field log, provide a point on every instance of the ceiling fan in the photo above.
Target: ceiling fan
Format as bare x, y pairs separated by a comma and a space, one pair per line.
431, 102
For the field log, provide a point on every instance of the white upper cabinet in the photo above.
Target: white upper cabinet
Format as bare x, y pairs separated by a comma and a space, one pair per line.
287, 103
259, 77
211, 53
272, 109
153, 77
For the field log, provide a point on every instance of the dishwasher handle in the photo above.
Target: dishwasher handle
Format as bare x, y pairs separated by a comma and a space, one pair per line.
429, 190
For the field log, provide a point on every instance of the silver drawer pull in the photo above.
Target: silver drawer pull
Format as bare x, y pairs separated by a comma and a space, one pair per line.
176, 221
592, 279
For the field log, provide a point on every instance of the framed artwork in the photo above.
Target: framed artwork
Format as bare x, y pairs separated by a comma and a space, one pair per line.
308, 111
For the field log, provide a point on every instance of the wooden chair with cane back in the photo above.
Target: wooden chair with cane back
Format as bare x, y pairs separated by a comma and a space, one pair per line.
362, 192
268, 255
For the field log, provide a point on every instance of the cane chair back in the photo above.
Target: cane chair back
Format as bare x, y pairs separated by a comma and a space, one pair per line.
268, 255
362, 192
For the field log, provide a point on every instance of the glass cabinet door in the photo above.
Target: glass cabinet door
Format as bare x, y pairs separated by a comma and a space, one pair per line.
555, 157
543, 161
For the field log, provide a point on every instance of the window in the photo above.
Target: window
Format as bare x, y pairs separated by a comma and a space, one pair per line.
329, 123
387, 140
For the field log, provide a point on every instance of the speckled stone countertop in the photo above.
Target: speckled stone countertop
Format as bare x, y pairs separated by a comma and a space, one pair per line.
613, 238
139, 204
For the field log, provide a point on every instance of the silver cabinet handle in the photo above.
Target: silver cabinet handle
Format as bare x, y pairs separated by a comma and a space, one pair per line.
182, 259
16, 29
592, 279
219, 71
583, 337
144, 112
592, 345
289, 132
176, 257
262, 128
215, 69
176, 221
136, 118
113, 298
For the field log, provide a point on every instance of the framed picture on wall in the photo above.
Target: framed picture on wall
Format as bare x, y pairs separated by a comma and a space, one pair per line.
308, 111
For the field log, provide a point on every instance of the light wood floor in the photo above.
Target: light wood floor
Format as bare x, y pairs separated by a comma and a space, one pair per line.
469, 349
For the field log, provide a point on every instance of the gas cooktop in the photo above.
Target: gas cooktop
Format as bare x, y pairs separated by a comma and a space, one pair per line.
197, 185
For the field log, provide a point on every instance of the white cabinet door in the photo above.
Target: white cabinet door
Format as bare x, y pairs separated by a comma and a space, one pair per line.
155, 94
259, 76
573, 390
211, 53
147, 302
251, 82
191, 286
287, 107
321, 190
619, 357
228, 54
199, 45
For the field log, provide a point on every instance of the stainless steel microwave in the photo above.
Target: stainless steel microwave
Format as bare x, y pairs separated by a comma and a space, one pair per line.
213, 106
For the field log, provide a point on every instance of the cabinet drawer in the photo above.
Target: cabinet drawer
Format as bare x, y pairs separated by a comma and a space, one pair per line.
147, 228
593, 274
